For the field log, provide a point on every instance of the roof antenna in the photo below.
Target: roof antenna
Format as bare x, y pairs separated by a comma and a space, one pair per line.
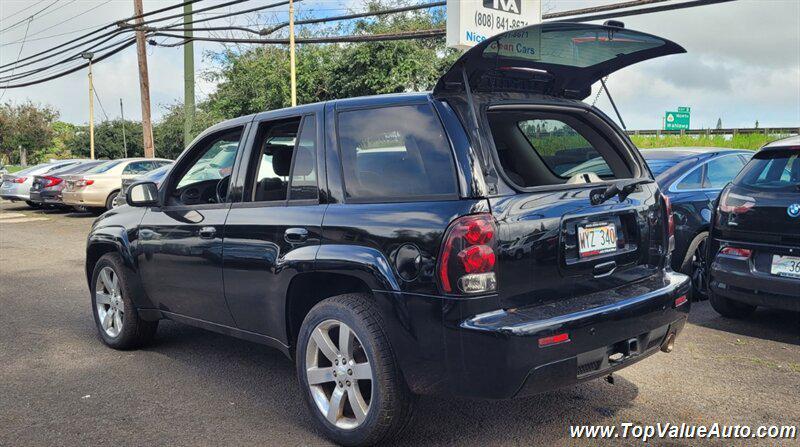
613, 104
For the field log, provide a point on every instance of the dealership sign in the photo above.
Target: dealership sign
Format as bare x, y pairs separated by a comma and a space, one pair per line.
677, 120
469, 22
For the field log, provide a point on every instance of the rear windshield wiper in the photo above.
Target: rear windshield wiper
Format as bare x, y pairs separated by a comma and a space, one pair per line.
622, 188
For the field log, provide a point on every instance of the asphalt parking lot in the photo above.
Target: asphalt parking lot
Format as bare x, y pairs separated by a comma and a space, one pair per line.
60, 386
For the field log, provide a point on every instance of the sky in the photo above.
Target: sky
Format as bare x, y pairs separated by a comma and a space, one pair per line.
742, 63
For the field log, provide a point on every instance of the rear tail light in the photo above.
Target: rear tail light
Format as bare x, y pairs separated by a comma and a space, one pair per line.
736, 252
670, 223
735, 203
681, 300
51, 181
467, 261
19, 180
83, 182
553, 340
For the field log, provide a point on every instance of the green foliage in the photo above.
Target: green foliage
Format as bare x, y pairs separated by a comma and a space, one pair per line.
258, 79
168, 132
738, 141
108, 141
27, 126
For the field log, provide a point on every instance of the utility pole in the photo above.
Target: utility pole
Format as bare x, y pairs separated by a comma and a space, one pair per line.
124, 140
89, 56
188, 77
291, 53
144, 82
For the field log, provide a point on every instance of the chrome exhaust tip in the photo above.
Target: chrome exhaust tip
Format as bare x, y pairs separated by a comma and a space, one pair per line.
669, 343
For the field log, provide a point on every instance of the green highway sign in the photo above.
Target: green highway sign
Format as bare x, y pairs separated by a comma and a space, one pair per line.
677, 120
684, 109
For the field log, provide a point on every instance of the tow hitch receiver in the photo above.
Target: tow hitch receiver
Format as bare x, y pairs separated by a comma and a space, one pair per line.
613, 355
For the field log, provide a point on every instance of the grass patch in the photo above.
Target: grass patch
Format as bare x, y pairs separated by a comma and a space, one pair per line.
14, 168
739, 141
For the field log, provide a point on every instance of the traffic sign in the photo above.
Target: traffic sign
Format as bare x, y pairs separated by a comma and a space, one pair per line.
676, 120
470, 22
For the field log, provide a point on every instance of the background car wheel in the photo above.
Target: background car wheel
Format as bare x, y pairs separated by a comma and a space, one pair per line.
349, 377
694, 266
110, 200
730, 308
33, 205
116, 318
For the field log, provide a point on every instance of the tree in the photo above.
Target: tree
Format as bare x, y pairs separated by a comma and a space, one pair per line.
26, 127
719, 123
168, 132
108, 142
258, 79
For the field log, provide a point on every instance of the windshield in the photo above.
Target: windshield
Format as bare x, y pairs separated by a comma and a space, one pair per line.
578, 46
660, 166
158, 173
31, 169
103, 167
772, 170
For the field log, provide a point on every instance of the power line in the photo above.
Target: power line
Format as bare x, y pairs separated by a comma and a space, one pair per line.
103, 109
70, 18
20, 51
77, 39
116, 50
406, 35
27, 18
25, 9
593, 9
636, 12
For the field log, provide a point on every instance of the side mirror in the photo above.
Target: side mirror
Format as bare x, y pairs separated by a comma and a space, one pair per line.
142, 194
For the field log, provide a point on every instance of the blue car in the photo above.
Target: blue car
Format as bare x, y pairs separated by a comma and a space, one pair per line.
692, 178
156, 176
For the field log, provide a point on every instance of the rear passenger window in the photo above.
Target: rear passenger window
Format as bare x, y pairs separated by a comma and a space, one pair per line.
542, 148
692, 181
721, 171
287, 161
395, 153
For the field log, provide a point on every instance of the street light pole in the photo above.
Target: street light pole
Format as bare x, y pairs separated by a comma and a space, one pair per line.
124, 140
89, 55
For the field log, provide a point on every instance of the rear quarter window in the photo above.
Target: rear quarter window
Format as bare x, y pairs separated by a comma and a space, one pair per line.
774, 169
395, 153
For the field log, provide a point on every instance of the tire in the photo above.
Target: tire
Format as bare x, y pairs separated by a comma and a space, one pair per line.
33, 205
110, 200
694, 266
730, 308
389, 402
133, 332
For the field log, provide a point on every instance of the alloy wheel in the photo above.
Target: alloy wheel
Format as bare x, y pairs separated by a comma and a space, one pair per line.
339, 374
698, 273
108, 299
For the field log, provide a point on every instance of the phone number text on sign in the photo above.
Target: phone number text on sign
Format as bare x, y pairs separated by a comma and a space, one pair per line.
497, 22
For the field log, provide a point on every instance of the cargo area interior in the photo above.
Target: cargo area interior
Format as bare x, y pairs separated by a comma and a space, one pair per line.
537, 148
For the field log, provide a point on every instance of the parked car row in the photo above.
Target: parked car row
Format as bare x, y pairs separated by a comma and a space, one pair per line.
85, 184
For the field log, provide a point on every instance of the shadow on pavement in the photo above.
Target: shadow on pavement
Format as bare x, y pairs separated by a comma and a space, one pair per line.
769, 324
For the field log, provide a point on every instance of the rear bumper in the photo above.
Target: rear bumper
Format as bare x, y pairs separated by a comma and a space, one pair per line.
496, 355
740, 280
84, 198
46, 197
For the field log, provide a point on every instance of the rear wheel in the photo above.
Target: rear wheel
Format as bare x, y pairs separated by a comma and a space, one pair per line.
33, 205
350, 379
694, 266
116, 318
111, 199
728, 307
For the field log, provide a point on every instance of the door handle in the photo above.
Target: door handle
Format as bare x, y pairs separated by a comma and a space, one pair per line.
295, 235
207, 232
604, 269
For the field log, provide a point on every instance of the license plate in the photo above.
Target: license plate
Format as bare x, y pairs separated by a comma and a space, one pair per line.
596, 239
788, 266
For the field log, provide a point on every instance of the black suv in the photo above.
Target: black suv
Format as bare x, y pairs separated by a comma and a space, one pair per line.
754, 249
416, 243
